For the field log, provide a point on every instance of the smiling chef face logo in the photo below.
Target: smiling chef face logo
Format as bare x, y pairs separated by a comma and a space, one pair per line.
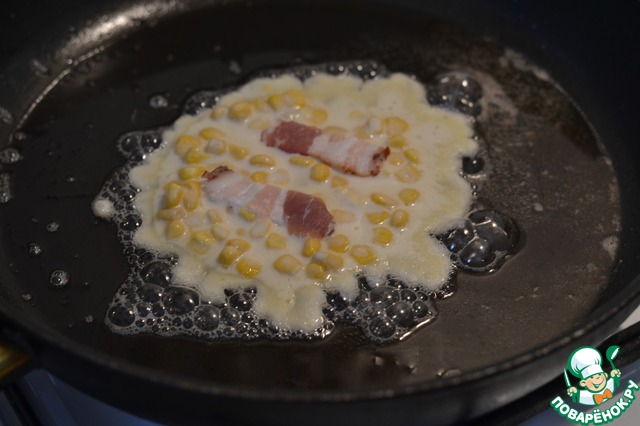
596, 387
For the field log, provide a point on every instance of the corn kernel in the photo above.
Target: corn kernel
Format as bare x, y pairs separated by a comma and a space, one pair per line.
248, 267
317, 116
260, 228
259, 104
343, 216
301, 161
383, 199
218, 113
364, 255
339, 182
397, 141
175, 229
187, 142
247, 214
240, 111
294, 98
316, 271
377, 217
382, 235
260, 177
172, 213
259, 124
173, 194
220, 232
238, 152
216, 146
311, 247
191, 172
335, 130
240, 244
211, 133
262, 160
409, 196
408, 174
412, 155
200, 241
395, 126
330, 261
287, 264
395, 158
214, 216
191, 199
319, 172
228, 255
276, 102
194, 155
276, 241
338, 243
399, 218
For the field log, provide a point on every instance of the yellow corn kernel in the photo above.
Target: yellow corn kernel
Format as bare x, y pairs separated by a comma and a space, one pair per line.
260, 177
194, 155
395, 158
407, 174
316, 271
209, 133
395, 126
335, 130
262, 160
214, 216
319, 172
248, 267
301, 161
191, 199
228, 255
220, 232
173, 194
240, 244
259, 104
276, 102
175, 229
330, 261
260, 228
276, 241
382, 235
247, 214
377, 217
397, 141
187, 142
399, 218
216, 146
412, 155
172, 213
294, 98
364, 255
383, 199
317, 116
218, 113
343, 216
409, 196
200, 241
259, 124
287, 264
339, 182
191, 172
338, 243
238, 152
240, 111
311, 247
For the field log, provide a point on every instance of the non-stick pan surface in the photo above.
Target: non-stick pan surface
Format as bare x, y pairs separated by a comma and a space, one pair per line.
77, 84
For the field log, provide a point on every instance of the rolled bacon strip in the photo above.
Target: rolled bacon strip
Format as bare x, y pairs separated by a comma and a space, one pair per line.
350, 154
304, 215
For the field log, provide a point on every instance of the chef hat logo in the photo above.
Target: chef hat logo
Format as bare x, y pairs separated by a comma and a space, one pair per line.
585, 362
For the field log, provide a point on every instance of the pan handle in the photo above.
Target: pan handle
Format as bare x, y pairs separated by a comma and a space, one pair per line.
14, 361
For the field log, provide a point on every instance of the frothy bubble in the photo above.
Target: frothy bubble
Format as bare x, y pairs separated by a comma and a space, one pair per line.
9, 156
34, 249
59, 278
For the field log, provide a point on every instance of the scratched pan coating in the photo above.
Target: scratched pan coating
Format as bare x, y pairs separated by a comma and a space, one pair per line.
548, 171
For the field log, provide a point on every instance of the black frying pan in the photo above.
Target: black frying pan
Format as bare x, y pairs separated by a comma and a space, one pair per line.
72, 87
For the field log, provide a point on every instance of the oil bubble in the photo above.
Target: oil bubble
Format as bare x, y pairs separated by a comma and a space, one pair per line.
158, 101
10, 156
34, 249
59, 278
53, 226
